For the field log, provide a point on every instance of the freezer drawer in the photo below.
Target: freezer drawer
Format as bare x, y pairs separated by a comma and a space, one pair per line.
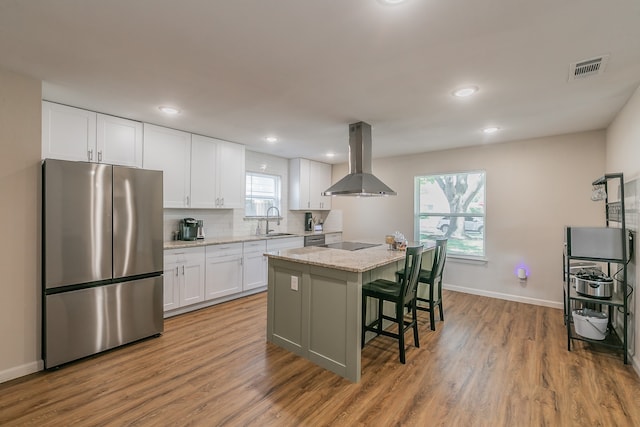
87, 321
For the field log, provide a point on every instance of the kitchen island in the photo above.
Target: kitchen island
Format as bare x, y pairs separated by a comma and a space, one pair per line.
314, 301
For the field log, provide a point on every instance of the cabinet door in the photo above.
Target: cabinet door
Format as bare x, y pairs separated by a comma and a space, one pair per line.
169, 150
118, 141
224, 275
203, 172
299, 184
193, 283
171, 280
68, 133
255, 265
231, 178
319, 180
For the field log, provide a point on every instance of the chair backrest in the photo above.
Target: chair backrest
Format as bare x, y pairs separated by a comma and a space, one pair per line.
439, 258
412, 263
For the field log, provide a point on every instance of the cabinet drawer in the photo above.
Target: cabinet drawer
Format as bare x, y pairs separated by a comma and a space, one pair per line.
255, 246
224, 249
286, 243
184, 255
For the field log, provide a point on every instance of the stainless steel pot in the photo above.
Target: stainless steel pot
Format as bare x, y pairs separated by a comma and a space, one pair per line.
593, 285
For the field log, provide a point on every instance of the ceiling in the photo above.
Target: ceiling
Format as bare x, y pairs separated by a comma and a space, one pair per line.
302, 70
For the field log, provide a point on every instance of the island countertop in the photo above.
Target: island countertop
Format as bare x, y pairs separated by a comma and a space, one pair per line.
355, 261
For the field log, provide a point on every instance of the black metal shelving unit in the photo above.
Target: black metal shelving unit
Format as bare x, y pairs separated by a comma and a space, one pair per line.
617, 305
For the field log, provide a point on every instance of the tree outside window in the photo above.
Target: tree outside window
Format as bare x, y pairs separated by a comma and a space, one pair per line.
452, 206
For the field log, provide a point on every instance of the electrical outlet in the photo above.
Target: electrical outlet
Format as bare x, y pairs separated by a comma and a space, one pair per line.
294, 283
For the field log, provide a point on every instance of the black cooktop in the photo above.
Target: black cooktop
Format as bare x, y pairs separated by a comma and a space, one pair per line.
350, 246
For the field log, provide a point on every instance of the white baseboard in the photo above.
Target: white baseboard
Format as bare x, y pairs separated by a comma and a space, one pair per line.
508, 297
21, 371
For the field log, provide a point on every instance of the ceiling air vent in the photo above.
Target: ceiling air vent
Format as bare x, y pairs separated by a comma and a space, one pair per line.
588, 67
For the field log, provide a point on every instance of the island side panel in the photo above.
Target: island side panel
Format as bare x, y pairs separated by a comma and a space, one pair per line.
284, 307
334, 320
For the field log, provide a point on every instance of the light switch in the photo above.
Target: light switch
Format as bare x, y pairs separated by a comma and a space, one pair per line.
294, 283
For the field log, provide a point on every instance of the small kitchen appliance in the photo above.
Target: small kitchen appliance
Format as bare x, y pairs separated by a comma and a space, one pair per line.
594, 284
308, 221
188, 229
200, 232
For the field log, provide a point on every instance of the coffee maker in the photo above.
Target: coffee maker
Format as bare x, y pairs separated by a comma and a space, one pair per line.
188, 229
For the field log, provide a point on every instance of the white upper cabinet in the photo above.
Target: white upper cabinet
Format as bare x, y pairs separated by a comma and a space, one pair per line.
169, 150
231, 175
307, 181
199, 172
119, 141
217, 173
70, 133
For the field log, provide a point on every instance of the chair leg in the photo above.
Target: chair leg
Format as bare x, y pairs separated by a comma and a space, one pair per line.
380, 306
432, 318
400, 318
441, 312
364, 319
414, 315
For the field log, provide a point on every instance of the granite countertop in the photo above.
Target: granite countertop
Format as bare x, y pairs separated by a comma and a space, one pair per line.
180, 244
356, 261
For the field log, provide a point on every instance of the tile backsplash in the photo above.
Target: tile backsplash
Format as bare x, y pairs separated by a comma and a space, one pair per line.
231, 222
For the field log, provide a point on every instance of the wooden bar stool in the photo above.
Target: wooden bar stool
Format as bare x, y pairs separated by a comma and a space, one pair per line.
402, 294
433, 279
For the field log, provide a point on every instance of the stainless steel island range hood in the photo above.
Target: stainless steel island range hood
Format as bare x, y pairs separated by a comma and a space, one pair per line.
360, 181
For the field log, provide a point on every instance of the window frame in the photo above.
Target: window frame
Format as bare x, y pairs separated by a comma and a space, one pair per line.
418, 216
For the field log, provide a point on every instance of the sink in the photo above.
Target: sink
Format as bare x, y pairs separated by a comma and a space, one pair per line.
279, 234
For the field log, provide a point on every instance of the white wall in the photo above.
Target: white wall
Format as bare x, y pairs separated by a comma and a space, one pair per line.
623, 155
20, 136
533, 189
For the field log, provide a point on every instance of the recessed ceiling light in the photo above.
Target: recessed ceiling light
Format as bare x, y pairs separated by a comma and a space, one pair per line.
465, 91
271, 139
491, 129
330, 154
168, 110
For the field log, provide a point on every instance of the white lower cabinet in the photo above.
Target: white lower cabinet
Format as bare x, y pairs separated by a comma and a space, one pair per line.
255, 265
332, 238
200, 275
224, 270
285, 243
184, 271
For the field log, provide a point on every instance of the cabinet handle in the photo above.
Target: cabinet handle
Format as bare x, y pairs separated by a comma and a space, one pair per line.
99, 156
187, 199
177, 271
90, 154
309, 204
183, 270
222, 202
217, 201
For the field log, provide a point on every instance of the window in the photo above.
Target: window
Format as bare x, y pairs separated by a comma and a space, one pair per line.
262, 192
452, 206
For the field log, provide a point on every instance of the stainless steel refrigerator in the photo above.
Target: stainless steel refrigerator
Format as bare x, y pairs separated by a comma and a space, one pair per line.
102, 258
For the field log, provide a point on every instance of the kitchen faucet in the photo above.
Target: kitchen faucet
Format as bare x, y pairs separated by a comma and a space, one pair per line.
269, 210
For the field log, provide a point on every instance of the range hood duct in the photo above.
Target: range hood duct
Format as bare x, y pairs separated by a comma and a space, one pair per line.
360, 181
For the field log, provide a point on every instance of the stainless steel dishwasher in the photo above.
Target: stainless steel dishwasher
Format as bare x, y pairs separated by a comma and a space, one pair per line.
314, 240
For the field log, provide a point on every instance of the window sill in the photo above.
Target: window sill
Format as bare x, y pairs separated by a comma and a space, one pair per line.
467, 259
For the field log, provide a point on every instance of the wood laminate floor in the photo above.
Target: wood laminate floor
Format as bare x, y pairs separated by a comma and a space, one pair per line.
491, 363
